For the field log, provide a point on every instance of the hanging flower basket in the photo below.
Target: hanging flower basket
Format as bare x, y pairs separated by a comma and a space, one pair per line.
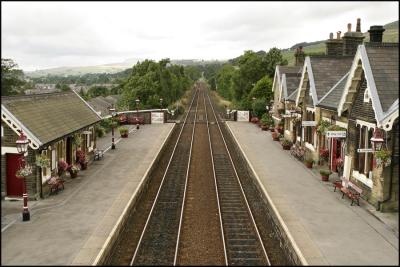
24, 172
77, 140
383, 158
42, 161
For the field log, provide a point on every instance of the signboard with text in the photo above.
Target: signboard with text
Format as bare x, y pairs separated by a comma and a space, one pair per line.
308, 123
243, 115
157, 117
336, 134
364, 150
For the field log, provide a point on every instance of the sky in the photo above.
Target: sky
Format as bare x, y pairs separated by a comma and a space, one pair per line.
39, 35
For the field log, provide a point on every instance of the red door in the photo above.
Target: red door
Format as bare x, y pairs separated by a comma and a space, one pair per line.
333, 154
14, 184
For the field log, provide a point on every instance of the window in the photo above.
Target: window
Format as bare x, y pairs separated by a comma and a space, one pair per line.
309, 130
364, 159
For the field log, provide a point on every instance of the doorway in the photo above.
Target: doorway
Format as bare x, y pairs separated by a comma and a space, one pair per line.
14, 184
336, 152
68, 150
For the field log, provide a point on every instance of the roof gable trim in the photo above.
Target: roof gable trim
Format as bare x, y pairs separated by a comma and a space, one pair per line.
333, 88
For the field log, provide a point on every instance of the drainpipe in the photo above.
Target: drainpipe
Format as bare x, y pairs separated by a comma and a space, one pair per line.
390, 176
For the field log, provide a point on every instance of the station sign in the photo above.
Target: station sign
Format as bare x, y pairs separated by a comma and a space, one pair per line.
157, 117
336, 134
365, 150
243, 115
308, 123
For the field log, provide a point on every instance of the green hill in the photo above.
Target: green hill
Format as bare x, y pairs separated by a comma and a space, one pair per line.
390, 35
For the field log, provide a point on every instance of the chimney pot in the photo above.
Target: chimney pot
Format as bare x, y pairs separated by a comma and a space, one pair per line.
338, 35
376, 33
331, 36
358, 28
349, 27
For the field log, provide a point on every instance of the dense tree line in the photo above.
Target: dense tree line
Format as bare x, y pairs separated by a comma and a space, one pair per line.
149, 81
247, 80
12, 78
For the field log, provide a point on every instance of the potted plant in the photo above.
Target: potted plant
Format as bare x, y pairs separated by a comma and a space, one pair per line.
62, 167
24, 171
286, 144
265, 122
383, 158
323, 126
275, 135
254, 120
325, 175
123, 131
73, 170
309, 163
323, 155
81, 158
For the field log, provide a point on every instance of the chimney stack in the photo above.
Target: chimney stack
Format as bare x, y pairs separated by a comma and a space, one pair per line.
299, 56
351, 40
334, 47
376, 34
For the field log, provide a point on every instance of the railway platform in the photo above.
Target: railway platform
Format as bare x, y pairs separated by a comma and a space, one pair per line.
70, 228
326, 229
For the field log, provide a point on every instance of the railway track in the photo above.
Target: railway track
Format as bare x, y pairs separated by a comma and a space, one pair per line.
199, 213
157, 243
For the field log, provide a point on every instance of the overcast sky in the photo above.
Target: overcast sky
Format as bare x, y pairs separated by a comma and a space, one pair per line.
41, 35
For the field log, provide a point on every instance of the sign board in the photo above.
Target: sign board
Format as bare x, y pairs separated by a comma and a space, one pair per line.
243, 115
364, 150
157, 117
309, 123
336, 134
287, 115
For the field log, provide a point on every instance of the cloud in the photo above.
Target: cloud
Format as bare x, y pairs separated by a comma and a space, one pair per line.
50, 34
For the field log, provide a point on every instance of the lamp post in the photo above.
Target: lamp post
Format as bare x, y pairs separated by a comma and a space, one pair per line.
113, 114
137, 113
377, 139
22, 148
161, 100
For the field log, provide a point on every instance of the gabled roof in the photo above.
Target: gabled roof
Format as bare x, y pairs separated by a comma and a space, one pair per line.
47, 117
380, 64
284, 80
292, 96
99, 104
323, 73
331, 99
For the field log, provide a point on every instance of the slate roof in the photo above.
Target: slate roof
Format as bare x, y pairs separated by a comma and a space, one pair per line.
384, 62
51, 116
99, 104
332, 98
292, 82
292, 96
328, 70
290, 69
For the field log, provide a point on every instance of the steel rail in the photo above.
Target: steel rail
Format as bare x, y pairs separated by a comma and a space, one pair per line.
240, 185
186, 181
216, 185
162, 181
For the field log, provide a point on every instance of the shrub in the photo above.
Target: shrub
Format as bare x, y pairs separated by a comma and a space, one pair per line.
287, 142
100, 131
266, 119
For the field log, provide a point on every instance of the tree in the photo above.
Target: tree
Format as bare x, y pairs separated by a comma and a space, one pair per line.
12, 79
224, 81
272, 58
262, 89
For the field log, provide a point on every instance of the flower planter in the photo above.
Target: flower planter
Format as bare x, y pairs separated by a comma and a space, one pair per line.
264, 127
286, 147
325, 178
83, 165
309, 165
73, 174
280, 130
124, 135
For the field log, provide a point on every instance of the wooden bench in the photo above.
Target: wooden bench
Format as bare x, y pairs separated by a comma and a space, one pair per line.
353, 192
98, 154
339, 183
55, 184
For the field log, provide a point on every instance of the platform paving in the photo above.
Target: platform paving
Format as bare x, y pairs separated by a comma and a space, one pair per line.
70, 228
326, 229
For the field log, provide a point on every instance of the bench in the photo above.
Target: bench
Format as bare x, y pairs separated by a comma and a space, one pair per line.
339, 183
98, 154
55, 184
353, 192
